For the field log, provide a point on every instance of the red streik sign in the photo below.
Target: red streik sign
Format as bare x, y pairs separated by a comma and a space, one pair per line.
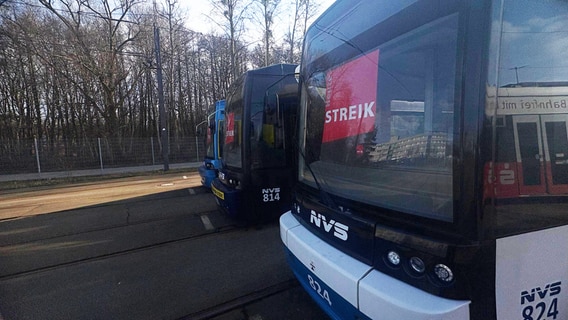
351, 91
230, 134
209, 135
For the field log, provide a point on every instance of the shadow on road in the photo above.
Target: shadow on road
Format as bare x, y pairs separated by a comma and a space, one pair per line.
41, 241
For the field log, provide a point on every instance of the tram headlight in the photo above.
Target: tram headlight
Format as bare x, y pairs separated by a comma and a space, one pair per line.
444, 273
417, 265
393, 258
235, 183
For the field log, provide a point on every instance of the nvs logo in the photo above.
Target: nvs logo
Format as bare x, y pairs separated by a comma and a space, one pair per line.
339, 229
550, 290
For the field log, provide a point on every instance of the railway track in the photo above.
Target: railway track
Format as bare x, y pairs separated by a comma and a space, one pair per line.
106, 215
114, 254
242, 301
150, 262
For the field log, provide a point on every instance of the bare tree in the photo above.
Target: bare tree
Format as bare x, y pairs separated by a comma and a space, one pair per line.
311, 8
304, 10
100, 38
290, 37
75, 70
234, 13
265, 17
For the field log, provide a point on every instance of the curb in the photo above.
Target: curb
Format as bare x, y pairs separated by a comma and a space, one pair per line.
92, 172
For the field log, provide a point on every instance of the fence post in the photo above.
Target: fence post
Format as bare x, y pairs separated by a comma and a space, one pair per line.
153, 158
100, 153
197, 148
37, 156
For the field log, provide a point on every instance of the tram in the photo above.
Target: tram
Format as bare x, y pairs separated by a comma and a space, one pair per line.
433, 160
258, 162
213, 145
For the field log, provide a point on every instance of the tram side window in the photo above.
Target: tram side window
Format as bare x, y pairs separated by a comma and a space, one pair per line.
529, 174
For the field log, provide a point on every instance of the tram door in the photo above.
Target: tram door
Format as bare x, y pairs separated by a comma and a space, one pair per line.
555, 132
541, 144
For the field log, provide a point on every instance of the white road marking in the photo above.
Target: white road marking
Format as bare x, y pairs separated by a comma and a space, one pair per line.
207, 223
191, 191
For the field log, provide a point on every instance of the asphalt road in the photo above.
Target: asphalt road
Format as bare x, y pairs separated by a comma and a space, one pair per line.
152, 247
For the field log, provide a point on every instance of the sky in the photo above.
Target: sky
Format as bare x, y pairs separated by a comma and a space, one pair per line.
198, 10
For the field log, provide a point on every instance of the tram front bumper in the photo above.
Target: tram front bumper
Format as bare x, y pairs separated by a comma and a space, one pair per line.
347, 288
207, 175
227, 199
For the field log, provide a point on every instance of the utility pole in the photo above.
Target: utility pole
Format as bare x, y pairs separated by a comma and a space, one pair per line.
517, 71
161, 107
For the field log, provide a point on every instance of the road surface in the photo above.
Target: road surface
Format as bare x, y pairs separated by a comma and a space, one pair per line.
152, 247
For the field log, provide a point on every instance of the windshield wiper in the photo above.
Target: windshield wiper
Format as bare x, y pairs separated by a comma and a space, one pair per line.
324, 195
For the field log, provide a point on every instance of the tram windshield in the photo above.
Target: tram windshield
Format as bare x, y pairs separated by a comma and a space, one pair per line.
267, 125
382, 111
209, 140
379, 126
214, 139
263, 108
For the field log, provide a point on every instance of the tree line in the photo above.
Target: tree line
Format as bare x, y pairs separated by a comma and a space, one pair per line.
71, 70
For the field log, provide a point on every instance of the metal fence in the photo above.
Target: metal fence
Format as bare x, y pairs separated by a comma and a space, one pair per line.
37, 156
